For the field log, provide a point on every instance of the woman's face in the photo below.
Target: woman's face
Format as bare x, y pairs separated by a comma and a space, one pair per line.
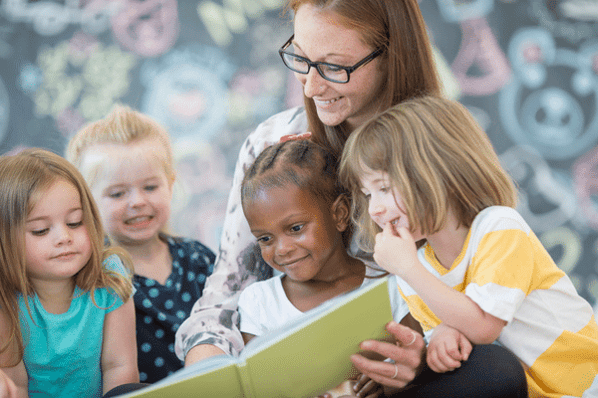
319, 36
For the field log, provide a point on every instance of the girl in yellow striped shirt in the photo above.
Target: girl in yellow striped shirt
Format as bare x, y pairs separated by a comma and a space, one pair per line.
427, 184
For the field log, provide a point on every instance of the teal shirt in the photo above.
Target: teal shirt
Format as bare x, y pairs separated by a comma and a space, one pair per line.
62, 351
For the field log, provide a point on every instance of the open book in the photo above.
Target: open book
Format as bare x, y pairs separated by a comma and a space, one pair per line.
304, 359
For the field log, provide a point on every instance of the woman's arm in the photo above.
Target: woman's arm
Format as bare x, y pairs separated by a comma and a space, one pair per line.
213, 320
119, 348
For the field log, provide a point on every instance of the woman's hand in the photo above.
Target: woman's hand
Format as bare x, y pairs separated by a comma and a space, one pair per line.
408, 354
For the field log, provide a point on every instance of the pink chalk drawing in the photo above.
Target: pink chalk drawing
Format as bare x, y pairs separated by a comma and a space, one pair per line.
585, 177
148, 28
480, 47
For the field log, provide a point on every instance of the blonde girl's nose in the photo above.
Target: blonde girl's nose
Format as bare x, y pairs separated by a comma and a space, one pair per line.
64, 235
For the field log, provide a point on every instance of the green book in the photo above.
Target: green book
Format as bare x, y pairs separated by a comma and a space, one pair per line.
304, 359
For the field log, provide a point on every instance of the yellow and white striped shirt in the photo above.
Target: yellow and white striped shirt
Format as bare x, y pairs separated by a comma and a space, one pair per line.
504, 268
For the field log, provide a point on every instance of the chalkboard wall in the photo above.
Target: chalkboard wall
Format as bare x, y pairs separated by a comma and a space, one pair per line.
209, 71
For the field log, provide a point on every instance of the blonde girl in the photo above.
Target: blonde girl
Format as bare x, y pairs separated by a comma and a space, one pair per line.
67, 325
127, 160
424, 171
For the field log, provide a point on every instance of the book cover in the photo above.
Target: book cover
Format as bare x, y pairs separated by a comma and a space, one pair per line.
304, 359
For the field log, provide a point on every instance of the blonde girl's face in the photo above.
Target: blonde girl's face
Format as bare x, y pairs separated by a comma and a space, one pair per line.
132, 190
57, 242
320, 36
385, 204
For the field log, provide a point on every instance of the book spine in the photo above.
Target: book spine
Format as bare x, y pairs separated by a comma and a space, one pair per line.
246, 383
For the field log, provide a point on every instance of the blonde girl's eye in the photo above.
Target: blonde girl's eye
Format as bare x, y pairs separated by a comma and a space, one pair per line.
74, 225
40, 232
116, 194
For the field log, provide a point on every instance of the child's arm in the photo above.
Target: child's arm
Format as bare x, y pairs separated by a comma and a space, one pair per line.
119, 349
452, 307
247, 337
447, 348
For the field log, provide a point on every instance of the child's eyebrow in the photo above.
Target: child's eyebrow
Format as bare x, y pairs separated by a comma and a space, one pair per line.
42, 218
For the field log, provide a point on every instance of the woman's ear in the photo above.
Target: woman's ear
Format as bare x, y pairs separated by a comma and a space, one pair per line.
341, 212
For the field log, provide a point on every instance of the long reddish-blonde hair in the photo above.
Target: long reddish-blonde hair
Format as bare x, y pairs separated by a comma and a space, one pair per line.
407, 61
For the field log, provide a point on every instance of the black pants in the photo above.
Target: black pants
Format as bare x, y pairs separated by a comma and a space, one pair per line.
490, 372
124, 389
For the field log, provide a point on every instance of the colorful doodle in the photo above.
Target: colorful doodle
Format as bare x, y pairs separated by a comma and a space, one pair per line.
233, 16
100, 78
551, 103
48, 18
146, 27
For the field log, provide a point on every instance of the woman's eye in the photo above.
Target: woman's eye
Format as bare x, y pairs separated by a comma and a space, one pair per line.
151, 187
74, 225
297, 228
384, 189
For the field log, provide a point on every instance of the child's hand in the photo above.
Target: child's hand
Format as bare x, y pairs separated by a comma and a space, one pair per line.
389, 243
367, 388
447, 348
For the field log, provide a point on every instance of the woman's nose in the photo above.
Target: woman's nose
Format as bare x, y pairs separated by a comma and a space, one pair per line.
313, 83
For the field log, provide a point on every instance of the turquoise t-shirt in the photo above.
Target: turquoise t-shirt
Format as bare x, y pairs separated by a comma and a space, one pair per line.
62, 351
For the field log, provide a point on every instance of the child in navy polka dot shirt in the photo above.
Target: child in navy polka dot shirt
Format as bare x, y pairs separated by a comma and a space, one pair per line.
127, 160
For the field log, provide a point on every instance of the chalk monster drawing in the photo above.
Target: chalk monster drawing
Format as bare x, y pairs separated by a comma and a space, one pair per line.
551, 101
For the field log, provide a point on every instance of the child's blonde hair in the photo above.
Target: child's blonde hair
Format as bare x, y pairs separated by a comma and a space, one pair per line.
122, 125
24, 178
438, 158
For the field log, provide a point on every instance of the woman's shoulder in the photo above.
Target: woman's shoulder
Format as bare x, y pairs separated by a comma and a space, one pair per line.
290, 121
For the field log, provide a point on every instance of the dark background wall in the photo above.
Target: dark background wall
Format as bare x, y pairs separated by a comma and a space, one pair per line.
210, 72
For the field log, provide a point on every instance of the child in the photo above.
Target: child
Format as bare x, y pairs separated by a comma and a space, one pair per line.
300, 218
127, 160
66, 321
425, 170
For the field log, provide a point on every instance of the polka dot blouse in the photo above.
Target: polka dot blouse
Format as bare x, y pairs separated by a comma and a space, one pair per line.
160, 309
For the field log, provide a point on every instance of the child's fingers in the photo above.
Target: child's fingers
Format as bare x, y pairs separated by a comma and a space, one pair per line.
466, 347
295, 137
445, 357
434, 363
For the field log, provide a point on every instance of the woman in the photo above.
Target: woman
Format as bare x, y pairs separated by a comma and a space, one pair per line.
354, 58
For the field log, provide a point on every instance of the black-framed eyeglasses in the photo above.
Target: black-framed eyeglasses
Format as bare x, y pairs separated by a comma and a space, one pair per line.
331, 72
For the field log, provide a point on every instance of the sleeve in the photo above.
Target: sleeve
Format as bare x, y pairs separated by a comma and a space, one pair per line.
502, 269
114, 263
214, 317
398, 305
249, 313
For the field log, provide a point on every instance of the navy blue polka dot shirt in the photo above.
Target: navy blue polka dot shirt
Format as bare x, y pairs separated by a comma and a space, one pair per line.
160, 309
